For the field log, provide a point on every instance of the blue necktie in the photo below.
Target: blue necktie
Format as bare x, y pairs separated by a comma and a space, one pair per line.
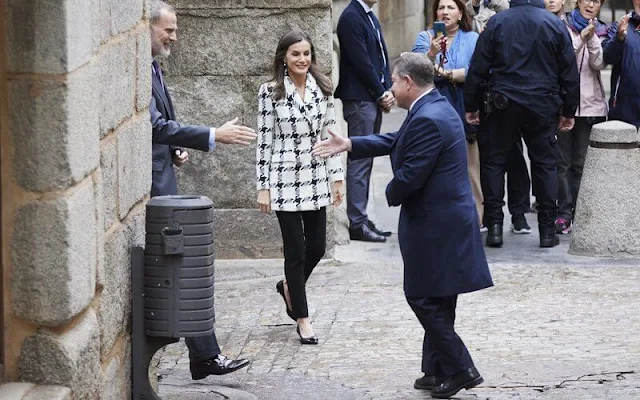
158, 72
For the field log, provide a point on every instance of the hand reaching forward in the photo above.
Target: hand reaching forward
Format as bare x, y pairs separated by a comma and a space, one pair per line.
230, 133
334, 145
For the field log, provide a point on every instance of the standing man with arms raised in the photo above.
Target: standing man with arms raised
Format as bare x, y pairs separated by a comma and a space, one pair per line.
431, 184
364, 90
526, 55
204, 352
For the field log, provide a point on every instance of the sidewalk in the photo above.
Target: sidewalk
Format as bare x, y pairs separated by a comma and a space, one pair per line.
554, 327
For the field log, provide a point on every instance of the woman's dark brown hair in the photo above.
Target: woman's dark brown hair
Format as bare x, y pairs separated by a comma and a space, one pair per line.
465, 21
293, 37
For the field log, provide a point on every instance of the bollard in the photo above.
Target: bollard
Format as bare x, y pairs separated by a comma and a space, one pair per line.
172, 281
607, 216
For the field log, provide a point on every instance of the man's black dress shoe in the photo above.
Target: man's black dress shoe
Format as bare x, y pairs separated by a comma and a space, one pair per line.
494, 236
549, 239
306, 340
377, 231
280, 289
427, 382
365, 234
218, 365
465, 380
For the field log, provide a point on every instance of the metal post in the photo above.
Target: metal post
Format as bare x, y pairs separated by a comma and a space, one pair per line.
143, 346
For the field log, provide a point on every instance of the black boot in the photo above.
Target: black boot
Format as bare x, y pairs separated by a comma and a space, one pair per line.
548, 238
494, 236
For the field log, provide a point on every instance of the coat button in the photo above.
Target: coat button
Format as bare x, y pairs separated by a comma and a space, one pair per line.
297, 141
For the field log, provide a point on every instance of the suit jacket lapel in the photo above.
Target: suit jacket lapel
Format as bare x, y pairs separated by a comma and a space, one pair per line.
307, 108
161, 94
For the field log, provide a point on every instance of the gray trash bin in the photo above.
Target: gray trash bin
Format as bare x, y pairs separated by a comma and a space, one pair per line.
179, 267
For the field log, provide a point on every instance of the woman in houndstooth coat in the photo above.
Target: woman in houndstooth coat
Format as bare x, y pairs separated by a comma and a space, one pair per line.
295, 109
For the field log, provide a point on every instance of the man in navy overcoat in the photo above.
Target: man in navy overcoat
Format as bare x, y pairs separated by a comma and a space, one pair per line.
438, 231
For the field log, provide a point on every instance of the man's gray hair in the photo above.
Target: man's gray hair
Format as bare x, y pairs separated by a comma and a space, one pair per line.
417, 66
156, 8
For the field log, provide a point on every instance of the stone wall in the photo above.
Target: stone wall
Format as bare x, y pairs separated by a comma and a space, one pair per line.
224, 52
76, 171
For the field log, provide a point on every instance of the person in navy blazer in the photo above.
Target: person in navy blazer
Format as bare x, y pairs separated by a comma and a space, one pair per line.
363, 87
167, 135
438, 231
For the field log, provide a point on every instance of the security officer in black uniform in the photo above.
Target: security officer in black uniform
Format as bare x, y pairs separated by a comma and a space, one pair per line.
526, 55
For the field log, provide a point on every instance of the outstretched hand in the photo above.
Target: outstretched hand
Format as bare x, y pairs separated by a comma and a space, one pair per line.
334, 145
230, 133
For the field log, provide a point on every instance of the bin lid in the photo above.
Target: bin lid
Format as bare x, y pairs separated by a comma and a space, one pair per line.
181, 201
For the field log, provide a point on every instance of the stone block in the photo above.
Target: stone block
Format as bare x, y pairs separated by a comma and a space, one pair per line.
116, 292
115, 302
49, 36
55, 130
117, 64
225, 175
246, 233
116, 383
143, 71
53, 253
49, 393
109, 171
288, 4
117, 16
98, 192
69, 359
187, 5
134, 163
15, 390
208, 39
609, 190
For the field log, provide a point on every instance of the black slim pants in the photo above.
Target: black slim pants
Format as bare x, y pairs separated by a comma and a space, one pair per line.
304, 236
506, 127
572, 147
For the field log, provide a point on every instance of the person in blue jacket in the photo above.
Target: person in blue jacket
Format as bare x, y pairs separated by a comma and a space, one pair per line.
526, 55
622, 49
451, 71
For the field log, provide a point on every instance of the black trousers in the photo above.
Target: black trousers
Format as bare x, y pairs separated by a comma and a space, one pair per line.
506, 128
304, 235
572, 147
518, 181
443, 352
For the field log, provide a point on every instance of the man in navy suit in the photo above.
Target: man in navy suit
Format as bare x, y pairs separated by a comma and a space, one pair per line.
364, 90
438, 232
204, 352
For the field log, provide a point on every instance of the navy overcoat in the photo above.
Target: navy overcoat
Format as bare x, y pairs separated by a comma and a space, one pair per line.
438, 230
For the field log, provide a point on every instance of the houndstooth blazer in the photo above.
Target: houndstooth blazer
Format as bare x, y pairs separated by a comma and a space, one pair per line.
287, 130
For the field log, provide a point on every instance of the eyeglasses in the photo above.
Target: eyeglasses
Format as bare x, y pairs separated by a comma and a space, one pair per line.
594, 2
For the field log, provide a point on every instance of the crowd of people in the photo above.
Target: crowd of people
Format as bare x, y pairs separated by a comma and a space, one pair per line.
484, 77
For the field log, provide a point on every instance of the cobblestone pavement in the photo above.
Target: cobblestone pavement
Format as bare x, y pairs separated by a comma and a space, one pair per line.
554, 326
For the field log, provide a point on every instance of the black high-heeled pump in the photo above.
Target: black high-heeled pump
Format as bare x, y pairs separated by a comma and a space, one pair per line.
280, 289
306, 340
